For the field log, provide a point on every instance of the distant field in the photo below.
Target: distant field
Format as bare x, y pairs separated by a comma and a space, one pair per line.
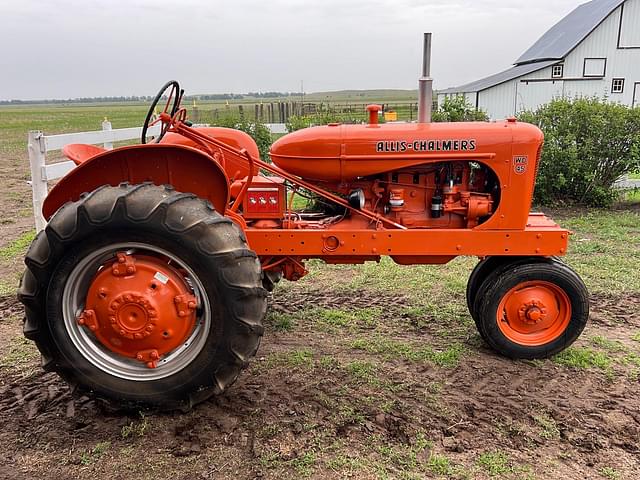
16, 121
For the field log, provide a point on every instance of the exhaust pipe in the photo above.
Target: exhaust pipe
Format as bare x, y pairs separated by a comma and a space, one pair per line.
425, 84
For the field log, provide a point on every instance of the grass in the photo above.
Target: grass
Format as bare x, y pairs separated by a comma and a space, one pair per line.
495, 463
94, 454
391, 348
606, 344
583, 358
20, 355
17, 247
605, 249
342, 318
281, 322
137, 428
610, 473
293, 359
548, 428
439, 464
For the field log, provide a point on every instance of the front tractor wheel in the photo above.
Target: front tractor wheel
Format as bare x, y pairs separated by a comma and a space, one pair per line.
532, 310
143, 295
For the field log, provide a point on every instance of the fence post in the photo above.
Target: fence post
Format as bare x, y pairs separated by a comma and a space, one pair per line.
36, 149
106, 125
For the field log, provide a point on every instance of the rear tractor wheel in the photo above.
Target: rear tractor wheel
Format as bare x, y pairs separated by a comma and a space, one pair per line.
532, 310
143, 295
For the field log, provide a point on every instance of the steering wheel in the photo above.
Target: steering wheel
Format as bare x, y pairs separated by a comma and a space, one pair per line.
175, 94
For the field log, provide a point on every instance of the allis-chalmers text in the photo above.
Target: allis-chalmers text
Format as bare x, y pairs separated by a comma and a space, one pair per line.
426, 146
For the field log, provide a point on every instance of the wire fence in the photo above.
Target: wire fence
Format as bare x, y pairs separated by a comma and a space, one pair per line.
280, 112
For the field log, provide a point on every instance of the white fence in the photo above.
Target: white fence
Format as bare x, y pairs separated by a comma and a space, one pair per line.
40, 144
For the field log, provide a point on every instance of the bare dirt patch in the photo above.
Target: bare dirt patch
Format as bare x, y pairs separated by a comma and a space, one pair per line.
311, 405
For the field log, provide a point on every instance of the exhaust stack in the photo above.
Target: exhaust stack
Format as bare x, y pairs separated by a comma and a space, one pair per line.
425, 84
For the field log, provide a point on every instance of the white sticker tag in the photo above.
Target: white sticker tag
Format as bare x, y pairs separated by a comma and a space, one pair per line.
161, 277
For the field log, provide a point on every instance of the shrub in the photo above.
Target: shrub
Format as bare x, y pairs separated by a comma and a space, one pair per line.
457, 109
258, 131
589, 144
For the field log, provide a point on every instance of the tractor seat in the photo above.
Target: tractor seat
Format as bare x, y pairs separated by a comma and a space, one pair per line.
79, 153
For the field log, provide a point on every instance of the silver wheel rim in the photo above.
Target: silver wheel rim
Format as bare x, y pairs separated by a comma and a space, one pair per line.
73, 300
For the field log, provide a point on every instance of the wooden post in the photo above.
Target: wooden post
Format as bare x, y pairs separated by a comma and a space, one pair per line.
241, 110
106, 125
256, 110
36, 149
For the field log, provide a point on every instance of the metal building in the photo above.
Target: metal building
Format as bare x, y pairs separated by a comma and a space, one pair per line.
593, 51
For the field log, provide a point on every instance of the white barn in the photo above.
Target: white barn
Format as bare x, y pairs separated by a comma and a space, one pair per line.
593, 51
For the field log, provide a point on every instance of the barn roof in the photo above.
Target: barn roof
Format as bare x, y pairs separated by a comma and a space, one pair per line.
565, 35
498, 78
552, 47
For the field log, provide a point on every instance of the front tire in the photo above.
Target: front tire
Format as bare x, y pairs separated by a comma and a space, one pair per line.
533, 310
198, 347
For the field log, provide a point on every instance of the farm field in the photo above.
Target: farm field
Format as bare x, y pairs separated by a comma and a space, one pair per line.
372, 371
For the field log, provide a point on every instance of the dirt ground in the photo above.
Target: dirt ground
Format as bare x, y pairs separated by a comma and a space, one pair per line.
350, 382
296, 417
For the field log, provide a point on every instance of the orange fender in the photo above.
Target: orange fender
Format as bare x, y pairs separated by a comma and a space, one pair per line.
185, 168
234, 138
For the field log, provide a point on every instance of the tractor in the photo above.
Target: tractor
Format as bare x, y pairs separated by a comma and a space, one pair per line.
149, 284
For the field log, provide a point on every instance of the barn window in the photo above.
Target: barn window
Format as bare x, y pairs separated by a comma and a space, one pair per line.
594, 67
557, 71
617, 86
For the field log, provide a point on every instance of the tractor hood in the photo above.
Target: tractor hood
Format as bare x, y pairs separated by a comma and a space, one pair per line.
339, 153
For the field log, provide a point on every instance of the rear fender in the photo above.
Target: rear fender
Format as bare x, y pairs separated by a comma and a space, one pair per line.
185, 168
236, 168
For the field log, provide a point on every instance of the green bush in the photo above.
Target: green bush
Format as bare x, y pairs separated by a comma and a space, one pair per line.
456, 109
589, 144
258, 131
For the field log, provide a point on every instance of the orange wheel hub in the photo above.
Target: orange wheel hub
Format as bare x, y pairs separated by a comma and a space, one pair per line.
140, 307
534, 313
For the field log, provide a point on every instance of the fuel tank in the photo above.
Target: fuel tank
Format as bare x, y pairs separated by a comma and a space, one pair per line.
341, 153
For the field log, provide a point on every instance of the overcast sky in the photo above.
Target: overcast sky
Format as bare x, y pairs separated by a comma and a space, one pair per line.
77, 48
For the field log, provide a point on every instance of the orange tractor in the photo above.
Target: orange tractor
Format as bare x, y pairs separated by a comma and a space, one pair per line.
149, 284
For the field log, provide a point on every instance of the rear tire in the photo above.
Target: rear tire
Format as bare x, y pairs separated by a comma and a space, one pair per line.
532, 310
207, 249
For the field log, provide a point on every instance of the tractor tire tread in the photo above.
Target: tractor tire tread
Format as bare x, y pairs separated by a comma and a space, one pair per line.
163, 210
552, 271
